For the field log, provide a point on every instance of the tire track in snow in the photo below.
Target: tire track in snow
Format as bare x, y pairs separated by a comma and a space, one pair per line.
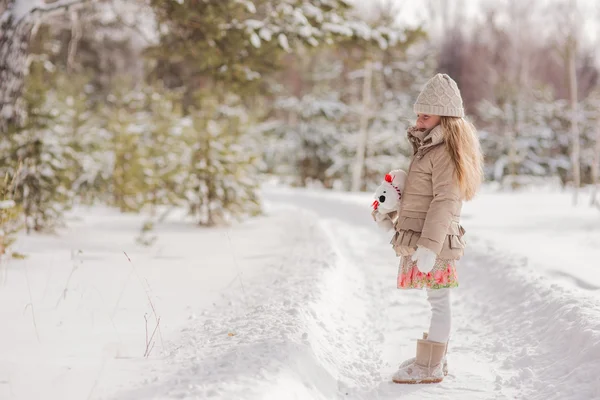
515, 334
399, 318
545, 337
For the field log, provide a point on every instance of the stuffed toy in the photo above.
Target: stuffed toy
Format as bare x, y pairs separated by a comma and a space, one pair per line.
388, 197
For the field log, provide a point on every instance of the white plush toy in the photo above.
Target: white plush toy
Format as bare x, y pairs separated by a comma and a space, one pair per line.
388, 197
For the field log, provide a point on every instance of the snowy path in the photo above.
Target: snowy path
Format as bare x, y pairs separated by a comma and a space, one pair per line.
315, 315
398, 317
328, 323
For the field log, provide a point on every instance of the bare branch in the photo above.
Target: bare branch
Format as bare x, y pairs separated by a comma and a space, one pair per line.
50, 9
133, 27
76, 33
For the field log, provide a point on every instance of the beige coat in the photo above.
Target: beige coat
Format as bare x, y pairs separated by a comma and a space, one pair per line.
431, 203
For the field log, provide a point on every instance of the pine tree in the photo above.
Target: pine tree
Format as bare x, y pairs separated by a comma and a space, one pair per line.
320, 128
39, 158
10, 216
225, 47
162, 144
126, 123
76, 120
399, 77
539, 146
238, 42
309, 145
222, 177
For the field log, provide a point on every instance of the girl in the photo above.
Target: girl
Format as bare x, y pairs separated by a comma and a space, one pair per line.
446, 169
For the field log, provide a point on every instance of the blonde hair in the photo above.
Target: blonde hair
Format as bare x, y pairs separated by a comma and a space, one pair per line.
463, 144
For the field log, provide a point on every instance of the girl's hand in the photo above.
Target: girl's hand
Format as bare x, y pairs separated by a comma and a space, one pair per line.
379, 216
385, 224
383, 221
425, 259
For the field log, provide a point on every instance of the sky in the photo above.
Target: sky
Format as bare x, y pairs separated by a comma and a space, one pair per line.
417, 11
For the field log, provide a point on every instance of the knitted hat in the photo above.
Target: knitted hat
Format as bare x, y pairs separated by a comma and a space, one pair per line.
440, 96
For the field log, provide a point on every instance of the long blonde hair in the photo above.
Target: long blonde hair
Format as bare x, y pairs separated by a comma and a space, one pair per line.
463, 144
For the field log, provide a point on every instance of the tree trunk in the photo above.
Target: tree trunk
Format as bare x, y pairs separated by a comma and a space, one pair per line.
14, 44
76, 33
511, 134
15, 32
364, 130
575, 145
596, 169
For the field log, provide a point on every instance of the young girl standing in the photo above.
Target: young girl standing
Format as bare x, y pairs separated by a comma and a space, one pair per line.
446, 169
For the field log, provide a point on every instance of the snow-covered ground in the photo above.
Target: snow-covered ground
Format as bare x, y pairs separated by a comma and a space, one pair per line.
301, 304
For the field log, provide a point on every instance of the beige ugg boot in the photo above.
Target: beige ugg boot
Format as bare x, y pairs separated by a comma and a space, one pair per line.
444, 362
427, 367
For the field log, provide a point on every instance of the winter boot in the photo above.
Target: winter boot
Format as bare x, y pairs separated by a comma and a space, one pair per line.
412, 359
445, 362
427, 367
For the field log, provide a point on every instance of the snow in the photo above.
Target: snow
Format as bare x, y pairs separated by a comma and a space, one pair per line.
342, 30
266, 34
144, 30
5, 204
300, 303
544, 230
89, 302
23, 7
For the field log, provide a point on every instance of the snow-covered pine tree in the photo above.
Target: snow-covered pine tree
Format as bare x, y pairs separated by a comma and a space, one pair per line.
308, 144
76, 120
540, 145
398, 79
392, 72
327, 117
240, 43
588, 118
162, 143
222, 176
591, 147
96, 52
39, 158
11, 221
125, 123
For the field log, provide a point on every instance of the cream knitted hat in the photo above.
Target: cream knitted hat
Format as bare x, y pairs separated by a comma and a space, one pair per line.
440, 96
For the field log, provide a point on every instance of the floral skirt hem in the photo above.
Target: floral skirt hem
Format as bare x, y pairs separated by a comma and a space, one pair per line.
442, 276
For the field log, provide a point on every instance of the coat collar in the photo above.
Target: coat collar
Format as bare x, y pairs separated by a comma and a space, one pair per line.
423, 140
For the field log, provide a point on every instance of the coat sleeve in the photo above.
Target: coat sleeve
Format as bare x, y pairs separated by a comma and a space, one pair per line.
392, 216
445, 204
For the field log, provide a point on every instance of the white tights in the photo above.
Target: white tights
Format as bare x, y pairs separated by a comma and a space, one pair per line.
441, 316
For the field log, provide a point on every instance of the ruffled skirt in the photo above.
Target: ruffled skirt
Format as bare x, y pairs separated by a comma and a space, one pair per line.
443, 275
